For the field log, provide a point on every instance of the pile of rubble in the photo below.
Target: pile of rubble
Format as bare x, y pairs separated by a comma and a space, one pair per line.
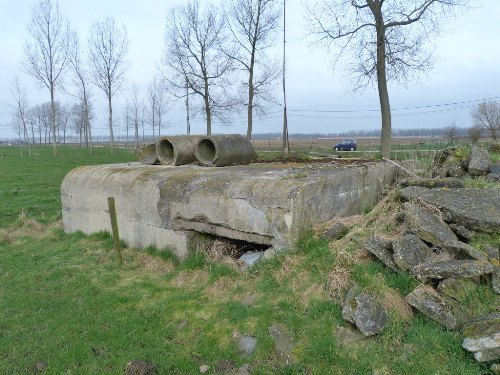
440, 217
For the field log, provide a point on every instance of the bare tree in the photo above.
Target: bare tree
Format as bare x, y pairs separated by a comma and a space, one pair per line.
81, 83
253, 24
475, 134
156, 104
451, 132
193, 56
386, 40
487, 116
63, 115
108, 48
135, 107
46, 56
20, 107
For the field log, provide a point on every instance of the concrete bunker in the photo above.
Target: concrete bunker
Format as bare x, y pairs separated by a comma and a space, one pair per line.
177, 207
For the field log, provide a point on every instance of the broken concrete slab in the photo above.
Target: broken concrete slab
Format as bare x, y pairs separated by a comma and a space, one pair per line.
337, 231
443, 310
410, 251
382, 249
166, 206
487, 355
427, 226
431, 183
251, 257
457, 288
452, 268
461, 232
476, 209
462, 250
479, 161
365, 312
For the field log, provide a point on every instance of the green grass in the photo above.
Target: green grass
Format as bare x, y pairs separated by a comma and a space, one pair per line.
65, 301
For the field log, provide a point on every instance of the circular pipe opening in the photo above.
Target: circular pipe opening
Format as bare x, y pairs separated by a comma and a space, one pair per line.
165, 151
205, 151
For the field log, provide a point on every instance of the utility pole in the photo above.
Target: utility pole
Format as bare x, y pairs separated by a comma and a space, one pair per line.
286, 143
187, 108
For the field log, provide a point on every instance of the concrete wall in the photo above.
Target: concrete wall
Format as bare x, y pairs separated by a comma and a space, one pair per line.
262, 203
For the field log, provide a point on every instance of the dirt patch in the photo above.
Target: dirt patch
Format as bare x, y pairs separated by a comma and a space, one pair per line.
186, 279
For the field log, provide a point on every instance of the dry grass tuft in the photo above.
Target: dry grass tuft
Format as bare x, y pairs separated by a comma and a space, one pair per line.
30, 224
288, 266
221, 288
337, 282
392, 300
155, 265
218, 250
6, 236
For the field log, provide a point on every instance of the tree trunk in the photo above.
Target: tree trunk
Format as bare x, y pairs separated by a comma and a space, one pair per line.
208, 111
53, 118
250, 102
110, 124
383, 93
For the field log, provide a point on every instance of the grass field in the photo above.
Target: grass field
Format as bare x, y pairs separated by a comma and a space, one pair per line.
66, 307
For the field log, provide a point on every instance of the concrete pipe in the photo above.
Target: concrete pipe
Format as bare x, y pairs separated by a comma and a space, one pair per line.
221, 150
147, 154
177, 150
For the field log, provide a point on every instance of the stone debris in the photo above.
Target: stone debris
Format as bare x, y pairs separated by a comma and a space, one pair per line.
410, 251
495, 368
365, 312
250, 258
462, 250
443, 310
482, 337
283, 343
452, 268
426, 226
457, 288
203, 369
381, 249
475, 209
246, 345
461, 232
479, 161
337, 231
432, 183
494, 176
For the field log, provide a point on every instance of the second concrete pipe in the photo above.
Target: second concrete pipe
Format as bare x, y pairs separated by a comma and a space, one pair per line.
177, 150
221, 150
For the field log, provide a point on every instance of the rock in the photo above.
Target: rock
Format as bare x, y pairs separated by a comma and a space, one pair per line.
427, 226
336, 232
443, 310
461, 232
251, 257
455, 171
445, 161
138, 367
463, 251
410, 251
475, 209
487, 355
482, 343
346, 336
495, 173
204, 369
365, 312
431, 183
479, 161
495, 368
458, 289
350, 304
246, 345
283, 343
452, 268
495, 279
382, 250
483, 326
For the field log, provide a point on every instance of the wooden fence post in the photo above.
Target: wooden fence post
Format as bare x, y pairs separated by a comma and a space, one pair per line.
114, 227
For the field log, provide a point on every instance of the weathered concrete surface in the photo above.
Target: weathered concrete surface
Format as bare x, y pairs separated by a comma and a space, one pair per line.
476, 209
410, 251
479, 161
269, 204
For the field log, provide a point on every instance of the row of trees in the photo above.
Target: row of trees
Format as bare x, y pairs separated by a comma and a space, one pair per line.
208, 50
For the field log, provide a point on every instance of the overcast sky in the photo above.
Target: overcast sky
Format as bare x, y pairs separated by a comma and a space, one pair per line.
466, 72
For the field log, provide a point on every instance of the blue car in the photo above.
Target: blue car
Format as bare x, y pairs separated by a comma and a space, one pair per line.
345, 145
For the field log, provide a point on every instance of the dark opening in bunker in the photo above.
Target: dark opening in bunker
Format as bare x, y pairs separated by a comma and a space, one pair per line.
219, 247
